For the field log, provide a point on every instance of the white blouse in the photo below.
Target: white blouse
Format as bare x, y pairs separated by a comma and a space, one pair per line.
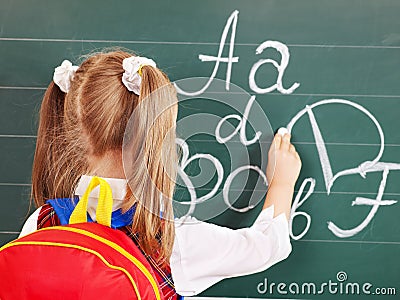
204, 253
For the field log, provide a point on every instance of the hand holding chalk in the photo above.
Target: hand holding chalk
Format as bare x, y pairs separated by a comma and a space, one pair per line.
282, 131
283, 169
283, 160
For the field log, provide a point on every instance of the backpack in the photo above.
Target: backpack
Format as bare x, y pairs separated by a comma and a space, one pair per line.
78, 261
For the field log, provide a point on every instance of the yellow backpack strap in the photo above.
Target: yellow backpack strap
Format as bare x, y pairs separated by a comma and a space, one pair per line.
104, 204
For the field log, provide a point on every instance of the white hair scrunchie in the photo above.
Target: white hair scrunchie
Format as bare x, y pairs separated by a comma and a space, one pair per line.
64, 74
132, 78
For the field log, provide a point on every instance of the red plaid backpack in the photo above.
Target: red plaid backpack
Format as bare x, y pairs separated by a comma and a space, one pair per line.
78, 261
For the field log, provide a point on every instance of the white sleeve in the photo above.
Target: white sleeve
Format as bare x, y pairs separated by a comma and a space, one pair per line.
30, 224
205, 254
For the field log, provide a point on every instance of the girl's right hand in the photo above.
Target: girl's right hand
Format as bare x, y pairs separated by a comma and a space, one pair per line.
284, 162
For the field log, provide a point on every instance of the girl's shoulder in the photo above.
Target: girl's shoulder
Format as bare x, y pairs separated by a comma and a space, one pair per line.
31, 224
46, 215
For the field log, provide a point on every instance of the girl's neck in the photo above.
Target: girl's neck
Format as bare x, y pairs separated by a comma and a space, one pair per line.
108, 165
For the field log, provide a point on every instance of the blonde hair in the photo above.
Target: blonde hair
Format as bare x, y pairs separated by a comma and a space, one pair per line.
91, 120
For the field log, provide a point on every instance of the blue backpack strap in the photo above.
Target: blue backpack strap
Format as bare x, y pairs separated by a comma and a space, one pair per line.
64, 207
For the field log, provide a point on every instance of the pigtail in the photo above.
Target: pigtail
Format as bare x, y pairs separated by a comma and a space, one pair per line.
152, 171
50, 131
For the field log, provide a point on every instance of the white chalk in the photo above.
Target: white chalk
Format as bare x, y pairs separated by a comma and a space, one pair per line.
282, 131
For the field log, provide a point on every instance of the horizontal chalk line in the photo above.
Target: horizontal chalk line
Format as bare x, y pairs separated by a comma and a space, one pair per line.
347, 144
239, 93
15, 39
9, 232
354, 193
302, 94
21, 88
233, 141
17, 136
349, 242
342, 95
299, 143
14, 184
302, 240
314, 192
244, 190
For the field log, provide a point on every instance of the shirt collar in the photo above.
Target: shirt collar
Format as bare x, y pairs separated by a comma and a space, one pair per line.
118, 187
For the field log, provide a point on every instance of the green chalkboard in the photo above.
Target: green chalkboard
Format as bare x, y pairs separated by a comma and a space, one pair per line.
328, 70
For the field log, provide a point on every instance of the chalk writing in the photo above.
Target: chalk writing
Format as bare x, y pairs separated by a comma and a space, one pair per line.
368, 166
373, 165
281, 66
184, 162
297, 203
241, 126
228, 182
231, 22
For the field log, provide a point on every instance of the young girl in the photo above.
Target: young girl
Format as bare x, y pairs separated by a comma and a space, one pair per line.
83, 117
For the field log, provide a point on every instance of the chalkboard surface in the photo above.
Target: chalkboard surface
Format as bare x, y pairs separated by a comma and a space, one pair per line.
327, 70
